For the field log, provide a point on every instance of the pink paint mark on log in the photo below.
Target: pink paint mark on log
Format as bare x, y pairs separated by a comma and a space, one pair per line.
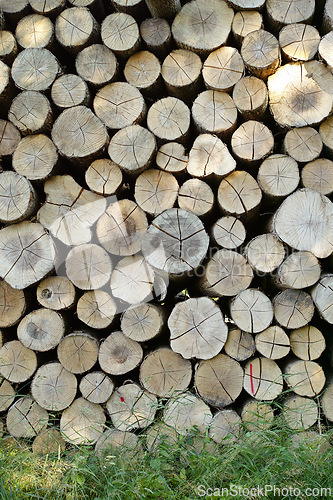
251, 378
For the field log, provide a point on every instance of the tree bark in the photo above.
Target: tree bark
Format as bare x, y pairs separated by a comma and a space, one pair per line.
156, 34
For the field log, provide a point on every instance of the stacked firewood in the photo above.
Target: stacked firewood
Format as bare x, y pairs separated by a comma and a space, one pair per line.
166, 219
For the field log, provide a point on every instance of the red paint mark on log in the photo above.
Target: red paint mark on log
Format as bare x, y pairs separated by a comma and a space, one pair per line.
122, 399
251, 378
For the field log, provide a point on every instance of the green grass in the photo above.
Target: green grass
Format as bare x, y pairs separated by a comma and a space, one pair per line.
174, 472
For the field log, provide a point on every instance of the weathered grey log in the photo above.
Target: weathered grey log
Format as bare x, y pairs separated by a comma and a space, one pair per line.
257, 415
185, 411
31, 112
278, 176
18, 198
307, 343
12, 305
35, 69
155, 191
196, 196
103, 177
96, 309
172, 157
25, 418
209, 156
229, 232
251, 97
69, 90
82, 422
226, 427
35, 157
300, 413
247, 202
156, 34
56, 292
222, 69
120, 33
239, 345
293, 308
88, 266
167, 9
97, 65
53, 387
273, 343
252, 142
119, 354
305, 378
143, 71
41, 330
322, 295
17, 362
169, 120
281, 13
143, 322
76, 28
318, 175
263, 379
251, 310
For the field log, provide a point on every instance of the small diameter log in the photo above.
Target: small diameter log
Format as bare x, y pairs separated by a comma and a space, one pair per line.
202, 26
119, 443
293, 308
35, 69
239, 345
27, 254
303, 144
78, 352
299, 42
250, 96
263, 379
31, 113
76, 28
97, 65
307, 343
273, 343
229, 232
70, 210
35, 157
327, 24
261, 53
119, 354
156, 34
214, 112
9, 138
244, 23
169, 120
278, 176
289, 12
299, 413
7, 394
18, 199
304, 222
47, 7
34, 32
196, 196
103, 177
159, 435
12, 305
299, 270
175, 243
41, 330
121, 228
56, 292
257, 416
239, 195
172, 158
143, 71
181, 72
197, 328
164, 373
210, 156
119, 105
167, 9
252, 142
132, 148
225, 427
69, 90
219, 381
322, 295
296, 99
8, 47
227, 273
327, 402
49, 441
120, 33
305, 378
25, 418
252, 311
132, 280
88, 267
96, 387
53, 387
222, 69
143, 322
17, 362
326, 134
155, 191
318, 175
247, 4
186, 411
264, 253
82, 422
79, 134
131, 407
96, 309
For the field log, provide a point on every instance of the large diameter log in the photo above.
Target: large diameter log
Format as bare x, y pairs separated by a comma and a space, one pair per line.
239, 345
131, 407
8, 46
196, 196
273, 343
264, 253
78, 352
79, 134
296, 98
35, 69
96, 309
9, 138
318, 175
155, 191
219, 381
244, 22
103, 177
261, 53
97, 65
143, 322
31, 112
278, 176
263, 379
303, 144
41, 330
156, 34
172, 157
169, 120
119, 354
75, 28
53, 387
288, 12
12, 305
69, 90
293, 308
176, 242
229, 232
18, 199
209, 156
252, 142
27, 254
214, 112
56, 292
299, 413
88, 266
197, 328
47, 7
164, 373
25, 418
239, 195
225, 427
82, 422
181, 72
304, 221
17, 362
250, 96
299, 270
143, 71
299, 41
35, 157
48, 441
7, 394
305, 378
34, 32
202, 25
120, 33
251, 310
119, 443
186, 411
307, 343
69, 210
257, 415
96, 387
322, 295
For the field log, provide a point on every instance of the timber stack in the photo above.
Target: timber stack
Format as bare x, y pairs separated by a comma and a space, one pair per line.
166, 220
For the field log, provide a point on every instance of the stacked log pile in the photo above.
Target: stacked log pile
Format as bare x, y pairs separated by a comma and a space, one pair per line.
166, 219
